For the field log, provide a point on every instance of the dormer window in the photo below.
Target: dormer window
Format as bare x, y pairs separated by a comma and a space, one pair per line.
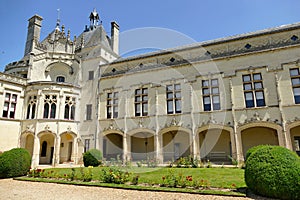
60, 79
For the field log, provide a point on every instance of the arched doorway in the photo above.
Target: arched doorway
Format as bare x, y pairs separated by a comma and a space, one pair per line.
215, 145
113, 146
46, 147
66, 147
295, 139
142, 146
175, 144
254, 136
27, 142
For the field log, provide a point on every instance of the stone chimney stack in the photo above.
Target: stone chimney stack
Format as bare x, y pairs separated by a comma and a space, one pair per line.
33, 33
115, 37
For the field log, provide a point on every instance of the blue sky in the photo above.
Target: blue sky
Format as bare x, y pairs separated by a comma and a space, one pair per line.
197, 19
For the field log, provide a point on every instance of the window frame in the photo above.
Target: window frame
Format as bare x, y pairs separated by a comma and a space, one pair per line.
11, 100
173, 98
91, 75
60, 77
250, 83
210, 91
141, 102
50, 106
112, 105
89, 112
87, 143
295, 85
70, 106
31, 108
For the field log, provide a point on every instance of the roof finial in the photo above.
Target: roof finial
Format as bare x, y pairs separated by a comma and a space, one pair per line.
94, 18
58, 19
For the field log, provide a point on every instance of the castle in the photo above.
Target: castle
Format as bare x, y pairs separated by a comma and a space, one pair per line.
211, 100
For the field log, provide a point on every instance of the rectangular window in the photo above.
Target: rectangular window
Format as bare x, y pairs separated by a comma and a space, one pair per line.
112, 104
295, 78
141, 102
91, 75
89, 112
86, 145
10, 103
173, 98
211, 95
253, 90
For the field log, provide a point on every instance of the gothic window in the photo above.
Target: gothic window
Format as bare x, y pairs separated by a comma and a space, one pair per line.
31, 108
141, 102
211, 95
50, 106
60, 79
295, 78
173, 98
44, 149
70, 108
10, 102
112, 105
253, 90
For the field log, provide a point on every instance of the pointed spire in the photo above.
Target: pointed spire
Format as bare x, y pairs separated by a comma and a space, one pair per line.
58, 20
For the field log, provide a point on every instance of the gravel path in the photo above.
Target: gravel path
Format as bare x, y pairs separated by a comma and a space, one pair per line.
12, 189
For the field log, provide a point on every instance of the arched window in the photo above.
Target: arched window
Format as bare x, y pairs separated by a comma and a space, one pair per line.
53, 110
67, 109
44, 149
28, 111
70, 103
73, 112
31, 107
50, 106
46, 110
33, 111
60, 79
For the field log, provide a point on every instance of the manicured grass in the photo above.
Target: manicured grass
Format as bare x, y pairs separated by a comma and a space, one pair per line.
216, 177
219, 179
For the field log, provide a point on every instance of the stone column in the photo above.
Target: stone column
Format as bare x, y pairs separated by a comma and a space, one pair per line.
237, 134
239, 150
159, 148
56, 152
36, 152
125, 147
74, 155
196, 146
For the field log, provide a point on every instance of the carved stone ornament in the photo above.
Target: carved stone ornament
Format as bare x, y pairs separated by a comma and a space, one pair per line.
47, 127
111, 127
174, 122
141, 123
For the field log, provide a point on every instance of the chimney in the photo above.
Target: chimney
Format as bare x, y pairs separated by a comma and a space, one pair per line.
33, 33
115, 37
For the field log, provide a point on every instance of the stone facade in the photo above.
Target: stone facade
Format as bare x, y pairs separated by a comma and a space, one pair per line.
211, 100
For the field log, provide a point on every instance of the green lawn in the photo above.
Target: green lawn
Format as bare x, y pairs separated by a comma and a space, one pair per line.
216, 177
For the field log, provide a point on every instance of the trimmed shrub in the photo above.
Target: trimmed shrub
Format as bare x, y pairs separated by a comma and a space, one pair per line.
92, 157
273, 171
15, 162
251, 150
